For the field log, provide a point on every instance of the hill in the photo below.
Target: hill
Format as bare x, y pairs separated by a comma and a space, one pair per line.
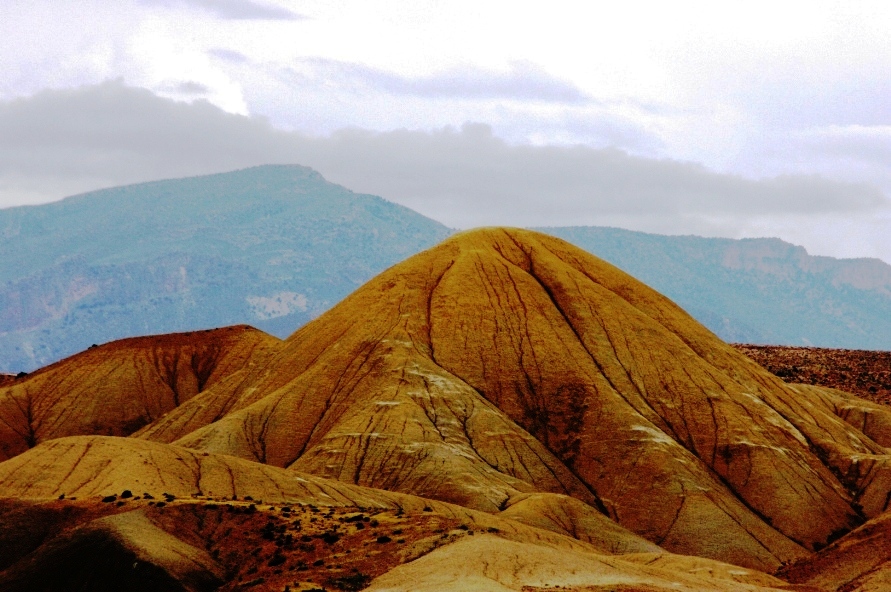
117, 388
271, 246
755, 290
507, 411
505, 362
207, 532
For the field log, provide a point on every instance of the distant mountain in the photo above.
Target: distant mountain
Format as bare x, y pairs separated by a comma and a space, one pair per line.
273, 246
755, 290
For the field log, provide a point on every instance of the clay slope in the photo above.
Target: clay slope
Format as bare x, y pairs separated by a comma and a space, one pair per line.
504, 362
858, 562
119, 387
120, 552
491, 564
150, 516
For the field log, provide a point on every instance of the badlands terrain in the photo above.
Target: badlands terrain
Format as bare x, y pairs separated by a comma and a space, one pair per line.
503, 411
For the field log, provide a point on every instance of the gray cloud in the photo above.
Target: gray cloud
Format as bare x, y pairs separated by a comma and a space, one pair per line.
524, 81
871, 144
233, 9
469, 176
61, 142
228, 55
187, 87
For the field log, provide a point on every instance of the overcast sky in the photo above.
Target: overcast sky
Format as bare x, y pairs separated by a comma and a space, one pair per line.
721, 119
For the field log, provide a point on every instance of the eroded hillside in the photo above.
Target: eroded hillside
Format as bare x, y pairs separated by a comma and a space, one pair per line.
560, 422
117, 388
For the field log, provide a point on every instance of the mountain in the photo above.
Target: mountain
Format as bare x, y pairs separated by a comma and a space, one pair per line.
523, 363
514, 413
755, 290
273, 246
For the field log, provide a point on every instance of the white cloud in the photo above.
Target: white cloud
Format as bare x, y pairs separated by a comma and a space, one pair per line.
232, 9
521, 81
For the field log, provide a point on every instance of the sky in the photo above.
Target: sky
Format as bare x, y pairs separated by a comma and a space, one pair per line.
718, 119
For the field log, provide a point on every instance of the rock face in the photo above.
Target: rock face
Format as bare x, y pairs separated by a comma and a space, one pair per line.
119, 387
505, 362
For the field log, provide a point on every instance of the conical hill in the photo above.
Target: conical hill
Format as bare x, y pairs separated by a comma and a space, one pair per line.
117, 388
505, 362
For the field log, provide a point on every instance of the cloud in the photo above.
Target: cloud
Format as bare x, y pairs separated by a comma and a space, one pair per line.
61, 142
186, 87
232, 9
865, 143
452, 169
523, 81
228, 55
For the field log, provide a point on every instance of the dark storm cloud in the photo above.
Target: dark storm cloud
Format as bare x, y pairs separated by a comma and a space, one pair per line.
233, 9
60, 142
523, 81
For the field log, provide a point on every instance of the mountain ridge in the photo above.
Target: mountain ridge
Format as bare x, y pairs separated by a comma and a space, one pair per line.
275, 246
755, 290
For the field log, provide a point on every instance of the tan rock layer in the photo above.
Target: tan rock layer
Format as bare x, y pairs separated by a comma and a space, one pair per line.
858, 562
119, 387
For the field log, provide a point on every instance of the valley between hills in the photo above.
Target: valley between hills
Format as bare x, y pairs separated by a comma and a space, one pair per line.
502, 411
